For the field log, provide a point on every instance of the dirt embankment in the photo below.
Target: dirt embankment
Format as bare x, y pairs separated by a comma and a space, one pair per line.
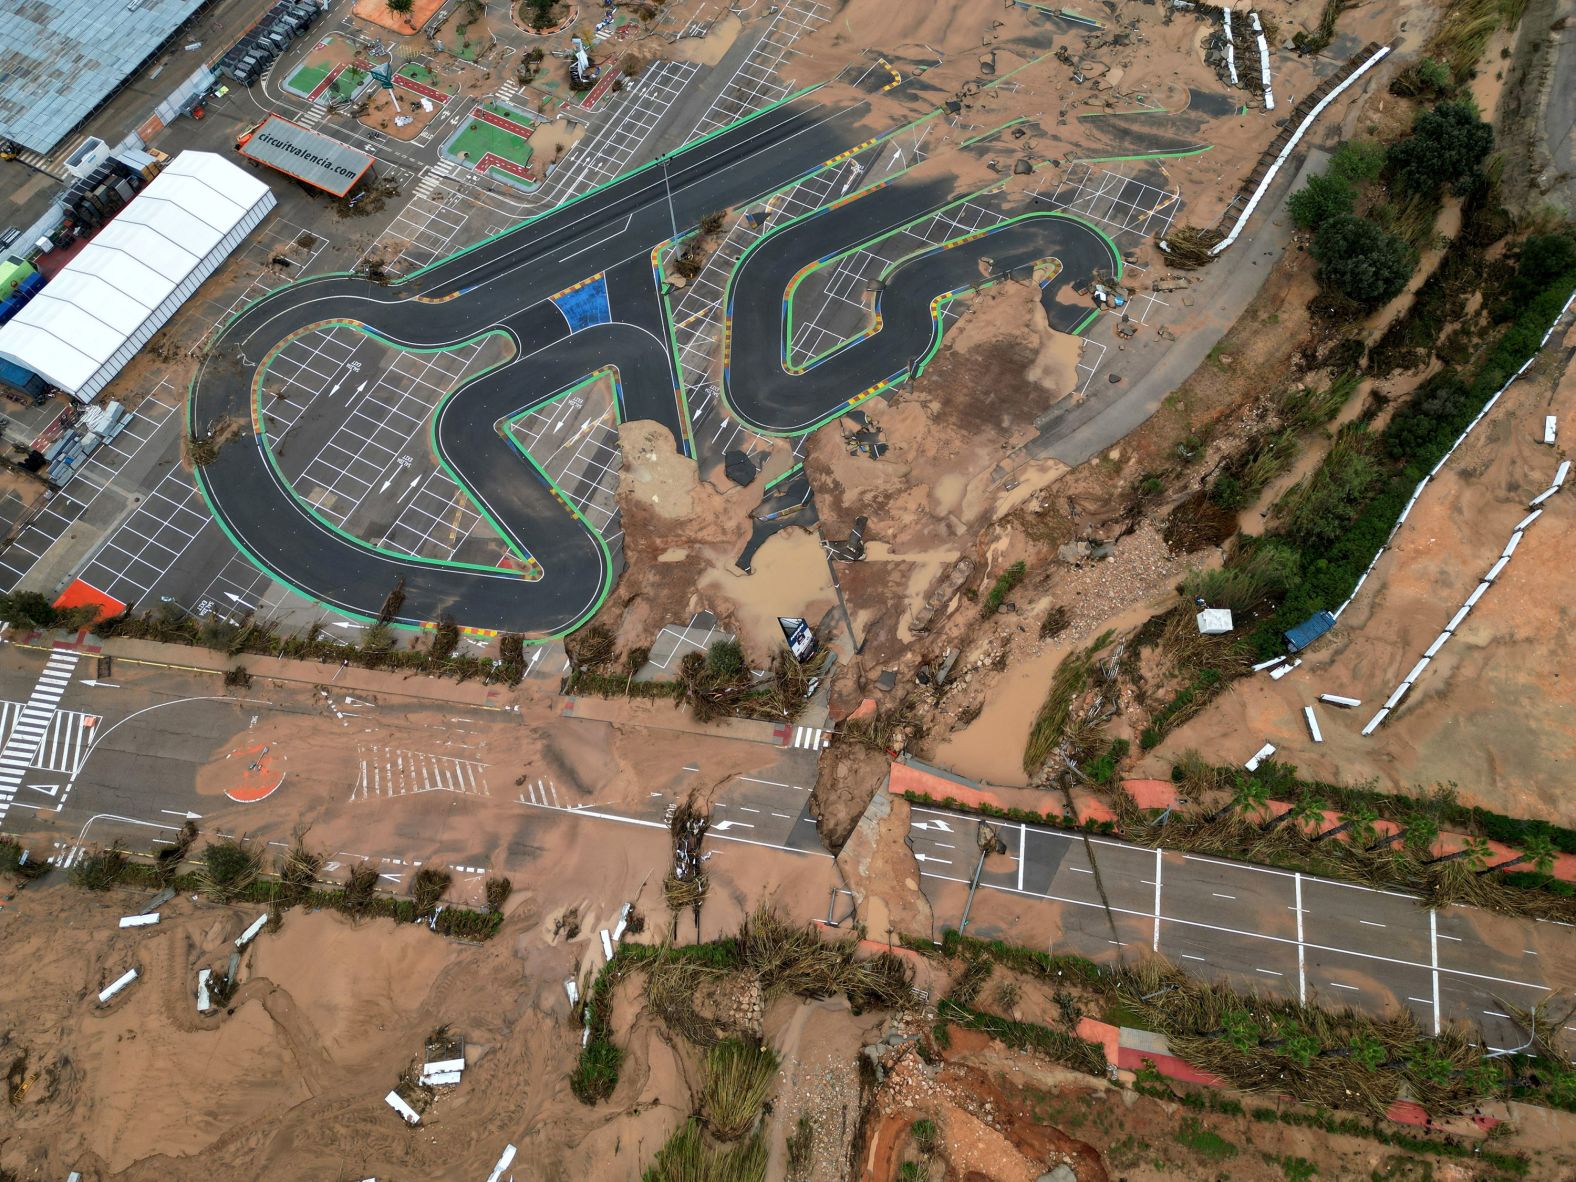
1492, 712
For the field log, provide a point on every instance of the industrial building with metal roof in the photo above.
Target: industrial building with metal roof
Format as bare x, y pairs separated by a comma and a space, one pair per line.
60, 60
106, 303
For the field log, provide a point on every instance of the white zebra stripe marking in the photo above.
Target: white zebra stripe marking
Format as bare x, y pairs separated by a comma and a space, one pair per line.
32, 723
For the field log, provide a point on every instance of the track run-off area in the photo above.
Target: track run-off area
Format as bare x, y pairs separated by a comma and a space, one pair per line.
576, 290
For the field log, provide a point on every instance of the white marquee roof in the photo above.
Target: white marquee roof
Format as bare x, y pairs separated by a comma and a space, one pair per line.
98, 300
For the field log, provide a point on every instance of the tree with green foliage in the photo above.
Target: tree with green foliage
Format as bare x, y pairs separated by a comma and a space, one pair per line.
1447, 147
1421, 831
1537, 851
1360, 260
1325, 196
1542, 261
29, 609
1246, 797
1357, 823
402, 7
1473, 854
1303, 811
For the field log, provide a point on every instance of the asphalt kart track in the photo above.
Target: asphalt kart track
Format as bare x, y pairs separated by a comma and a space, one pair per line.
506, 284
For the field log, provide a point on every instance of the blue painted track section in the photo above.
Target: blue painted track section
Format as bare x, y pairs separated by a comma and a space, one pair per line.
585, 303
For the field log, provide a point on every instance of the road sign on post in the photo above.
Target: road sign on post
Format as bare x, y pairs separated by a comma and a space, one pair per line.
801, 641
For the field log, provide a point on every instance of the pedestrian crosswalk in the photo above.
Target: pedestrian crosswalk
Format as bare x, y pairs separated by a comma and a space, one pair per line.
430, 181
390, 771
810, 738
66, 741
545, 793
32, 724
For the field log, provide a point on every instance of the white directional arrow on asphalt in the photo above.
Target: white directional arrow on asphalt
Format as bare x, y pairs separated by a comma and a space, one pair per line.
724, 826
187, 815
100, 684
335, 390
940, 826
410, 488
928, 858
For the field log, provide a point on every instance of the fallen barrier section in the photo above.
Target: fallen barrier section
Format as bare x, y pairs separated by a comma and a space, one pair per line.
1444, 459
1282, 146
1484, 584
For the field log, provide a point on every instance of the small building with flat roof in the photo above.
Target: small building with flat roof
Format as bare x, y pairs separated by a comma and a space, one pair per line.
311, 158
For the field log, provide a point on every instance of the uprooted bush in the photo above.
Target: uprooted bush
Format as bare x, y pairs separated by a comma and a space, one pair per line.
227, 867
99, 870
427, 887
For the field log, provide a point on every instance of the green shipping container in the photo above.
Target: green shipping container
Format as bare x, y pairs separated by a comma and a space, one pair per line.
12, 272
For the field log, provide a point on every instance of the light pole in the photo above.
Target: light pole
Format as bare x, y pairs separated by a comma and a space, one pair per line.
673, 220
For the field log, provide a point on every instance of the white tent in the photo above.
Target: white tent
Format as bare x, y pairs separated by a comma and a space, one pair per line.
106, 304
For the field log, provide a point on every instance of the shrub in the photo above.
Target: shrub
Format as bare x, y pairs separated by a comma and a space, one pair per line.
99, 870
1447, 146
1361, 261
1325, 196
1228, 493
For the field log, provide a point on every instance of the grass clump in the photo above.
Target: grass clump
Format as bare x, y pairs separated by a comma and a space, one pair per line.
596, 1071
1209, 1145
1051, 723
738, 1080
1002, 587
687, 1157
801, 1149
1055, 622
